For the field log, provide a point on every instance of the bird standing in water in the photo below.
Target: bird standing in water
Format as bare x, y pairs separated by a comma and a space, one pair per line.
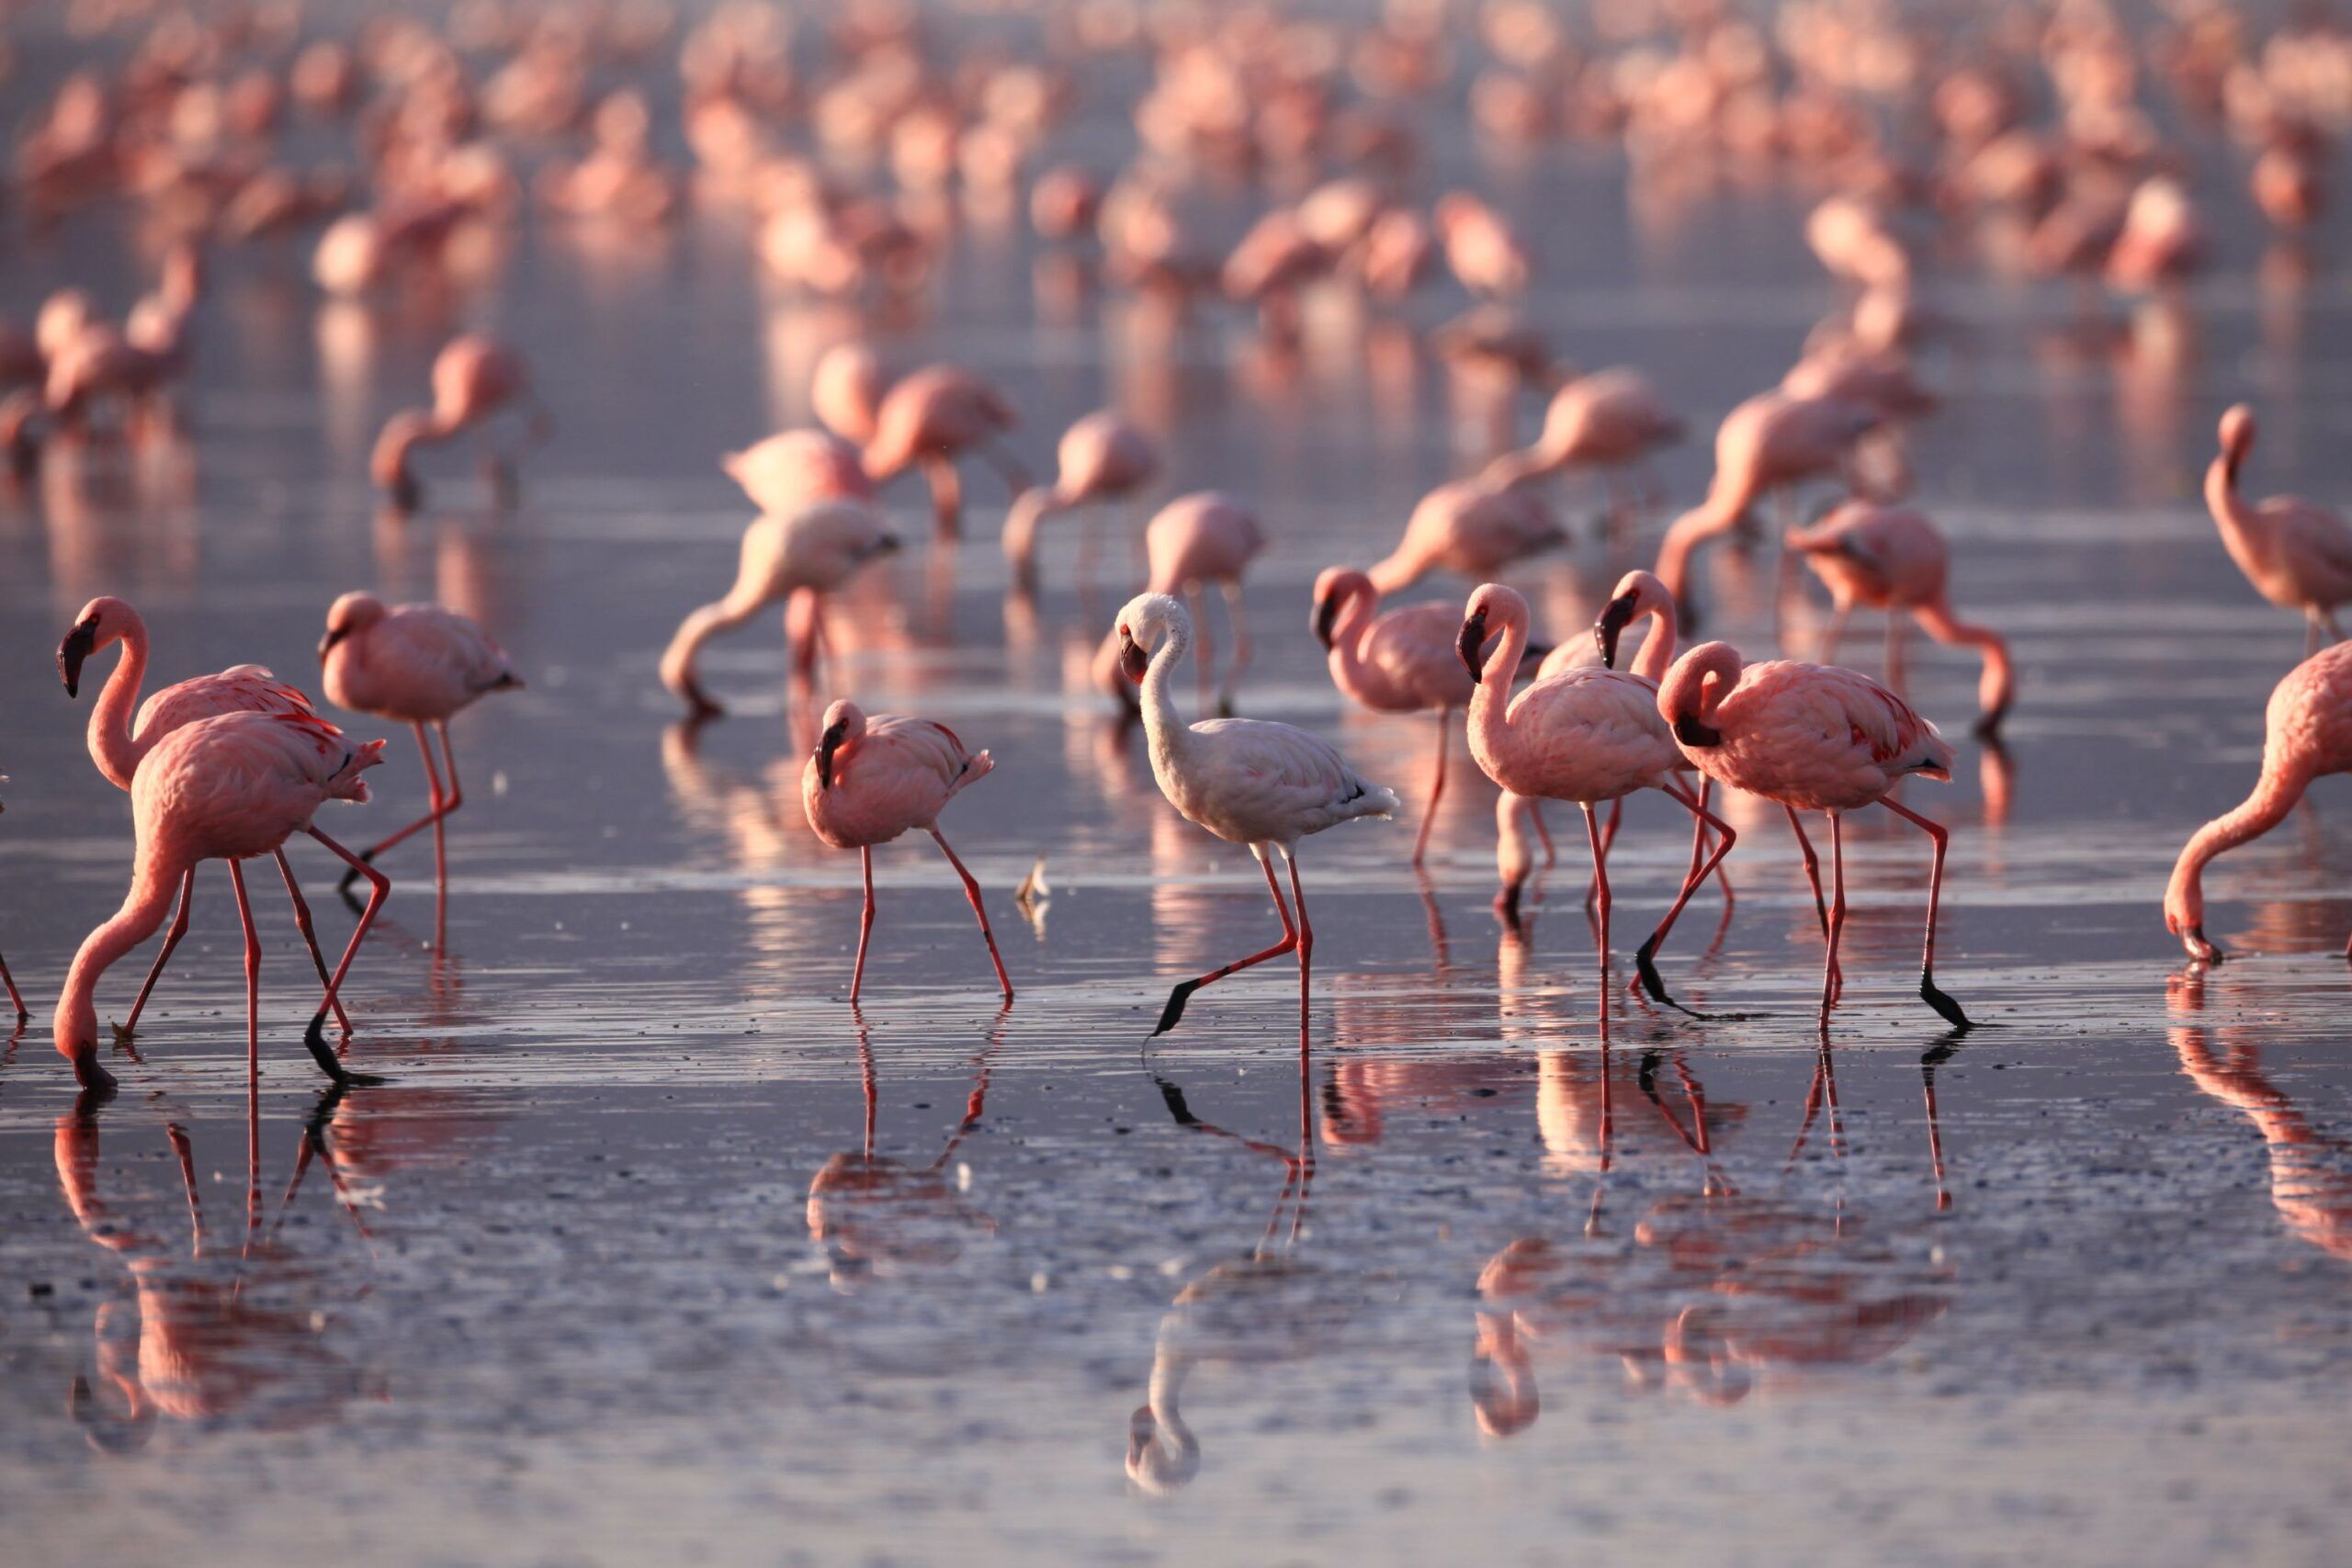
475, 377
2297, 555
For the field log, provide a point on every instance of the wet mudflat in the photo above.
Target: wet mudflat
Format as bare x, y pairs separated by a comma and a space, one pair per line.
653, 1250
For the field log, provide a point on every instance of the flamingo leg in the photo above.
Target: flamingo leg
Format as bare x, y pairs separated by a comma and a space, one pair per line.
1833, 979
1305, 938
1238, 617
1600, 879
1897, 676
1436, 789
253, 973
1608, 842
1830, 638
163, 953
1008, 468
946, 496
2311, 630
1197, 604
1536, 814
1812, 867
379, 888
1184, 991
1702, 821
865, 923
302, 924
16, 997
452, 799
434, 814
1928, 991
972, 892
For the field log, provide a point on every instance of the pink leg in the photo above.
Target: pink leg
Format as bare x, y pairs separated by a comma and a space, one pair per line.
946, 496
1928, 991
1833, 979
1601, 877
163, 953
1305, 941
972, 892
1437, 790
1198, 604
1702, 821
379, 888
16, 998
452, 799
1185, 988
1536, 814
431, 817
1608, 842
253, 973
865, 924
302, 924
1237, 620
1812, 867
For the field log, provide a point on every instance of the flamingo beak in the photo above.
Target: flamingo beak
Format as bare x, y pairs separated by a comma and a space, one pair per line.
1691, 732
1326, 615
326, 644
1473, 640
1133, 661
1615, 616
827, 744
73, 652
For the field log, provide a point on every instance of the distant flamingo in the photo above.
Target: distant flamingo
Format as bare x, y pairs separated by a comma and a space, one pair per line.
1585, 736
418, 664
1470, 528
117, 745
2308, 735
795, 467
1103, 457
1609, 419
794, 559
929, 419
870, 780
1403, 661
845, 392
475, 377
1814, 737
1893, 559
229, 787
1249, 781
2297, 555
1205, 538
1481, 247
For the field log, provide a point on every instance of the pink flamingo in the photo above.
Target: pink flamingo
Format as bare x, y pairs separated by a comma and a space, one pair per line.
2297, 555
117, 745
1481, 247
417, 664
1471, 528
794, 559
2308, 735
929, 419
1609, 419
1772, 441
795, 467
1403, 661
1103, 457
870, 780
1890, 559
845, 392
1816, 738
229, 787
1251, 782
1208, 537
475, 377
1587, 735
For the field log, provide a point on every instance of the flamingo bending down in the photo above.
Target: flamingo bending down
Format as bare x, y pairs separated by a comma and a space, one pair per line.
118, 744
795, 467
2308, 735
1609, 419
1469, 527
929, 419
1103, 457
1251, 782
474, 377
870, 780
1205, 538
1814, 737
794, 559
1403, 661
1893, 558
16, 997
2297, 555
418, 664
1585, 736
230, 787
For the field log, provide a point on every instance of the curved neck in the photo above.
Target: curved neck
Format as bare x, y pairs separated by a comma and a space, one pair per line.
112, 746
1401, 568
1163, 724
2273, 796
2242, 526
1697, 687
1657, 649
1683, 535
144, 908
1031, 507
1490, 701
1994, 686
1346, 657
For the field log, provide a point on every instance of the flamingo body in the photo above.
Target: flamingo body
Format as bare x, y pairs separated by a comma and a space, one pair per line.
1471, 528
2297, 555
797, 467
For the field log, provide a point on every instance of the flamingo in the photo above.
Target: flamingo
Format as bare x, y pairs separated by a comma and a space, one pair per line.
229, 787
1403, 661
870, 780
418, 664
1205, 538
1890, 559
2297, 555
1587, 735
1251, 782
1103, 457
929, 419
1608, 419
1481, 247
794, 559
1813, 738
475, 377
845, 392
1469, 527
117, 745
2308, 735
792, 468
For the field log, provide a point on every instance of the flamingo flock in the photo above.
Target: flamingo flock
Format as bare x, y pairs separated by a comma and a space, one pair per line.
1448, 617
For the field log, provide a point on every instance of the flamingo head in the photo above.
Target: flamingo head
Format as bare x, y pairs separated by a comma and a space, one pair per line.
2237, 436
1638, 594
845, 726
2185, 918
1146, 618
348, 616
1694, 690
103, 620
1162, 1456
387, 464
1491, 602
1334, 591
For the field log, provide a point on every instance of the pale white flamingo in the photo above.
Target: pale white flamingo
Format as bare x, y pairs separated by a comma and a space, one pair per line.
2298, 555
870, 780
1251, 782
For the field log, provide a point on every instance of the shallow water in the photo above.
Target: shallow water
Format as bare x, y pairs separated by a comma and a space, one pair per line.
653, 1250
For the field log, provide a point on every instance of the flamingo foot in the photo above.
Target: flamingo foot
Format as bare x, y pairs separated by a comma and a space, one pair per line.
315, 1039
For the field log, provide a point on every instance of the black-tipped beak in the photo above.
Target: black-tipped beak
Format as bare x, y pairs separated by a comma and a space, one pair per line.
1691, 732
326, 644
1326, 615
1472, 641
73, 652
1615, 616
1133, 661
827, 744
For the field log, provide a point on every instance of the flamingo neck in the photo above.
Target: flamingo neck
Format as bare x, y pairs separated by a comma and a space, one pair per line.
1163, 726
1401, 568
2275, 794
1490, 701
1994, 685
2243, 528
1657, 649
76, 1022
1033, 507
1346, 657
112, 746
